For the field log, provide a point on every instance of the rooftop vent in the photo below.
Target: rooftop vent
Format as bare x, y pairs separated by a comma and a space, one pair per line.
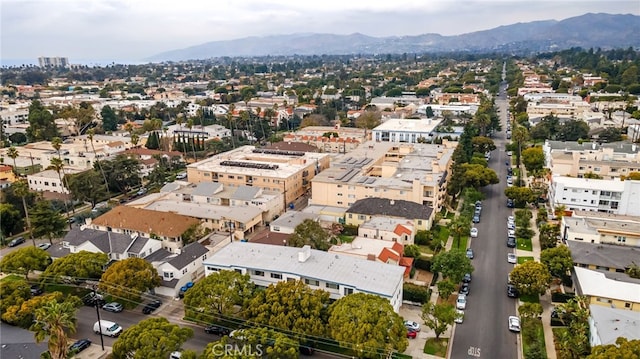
304, 254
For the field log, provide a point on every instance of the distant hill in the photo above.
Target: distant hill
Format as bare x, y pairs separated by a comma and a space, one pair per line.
604, 31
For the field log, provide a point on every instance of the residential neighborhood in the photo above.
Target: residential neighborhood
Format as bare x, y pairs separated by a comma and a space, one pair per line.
364, 207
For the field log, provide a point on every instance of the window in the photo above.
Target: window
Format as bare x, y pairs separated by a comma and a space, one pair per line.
361, 217
419, 222
213, 269
332, 286
339, 194
621, 239
168, 275
312, 282
594, 192
627, 305
258, 273
347, 291
184, 271
276, 275
231, 177
238, 270
614, 205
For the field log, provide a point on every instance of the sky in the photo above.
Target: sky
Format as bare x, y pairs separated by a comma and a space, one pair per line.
131, 30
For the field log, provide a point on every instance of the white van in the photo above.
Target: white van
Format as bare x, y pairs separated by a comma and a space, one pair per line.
108, 328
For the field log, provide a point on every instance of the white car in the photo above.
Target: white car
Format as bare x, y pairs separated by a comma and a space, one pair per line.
511, 219
412, 325
509, 153
514, 323
512, 258
511, 225
461, 302
459, 316
474, 232
511, 233
44, 246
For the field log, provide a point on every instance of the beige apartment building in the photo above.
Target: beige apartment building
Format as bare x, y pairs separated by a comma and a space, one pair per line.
609, 160
337, 140
412, 172
286, 172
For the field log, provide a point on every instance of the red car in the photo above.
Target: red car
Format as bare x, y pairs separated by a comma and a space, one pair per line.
412, 334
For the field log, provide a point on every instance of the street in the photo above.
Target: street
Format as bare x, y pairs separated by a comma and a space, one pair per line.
484, 333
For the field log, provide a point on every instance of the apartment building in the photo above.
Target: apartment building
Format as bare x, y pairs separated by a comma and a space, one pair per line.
340, 275
206, 132
601, 228
613, 290
573, 109
50, 181
603, 257
608, 160
606, 325
329, 139
409, 171
44, 61
452, 109
596, 195
445, 98
365, 212
375, 250
286, 172
405, 130
14, 118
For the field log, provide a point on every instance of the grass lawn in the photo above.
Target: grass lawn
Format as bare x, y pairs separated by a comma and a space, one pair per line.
436, 347
12, 278
524, 259
67, 289
532, 333
530, 298
461, 243
450, 215
524, 244
443, 234
345, 238
425, 249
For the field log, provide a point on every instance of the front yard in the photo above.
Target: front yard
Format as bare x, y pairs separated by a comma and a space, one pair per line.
436, 347
525, 244
533, 338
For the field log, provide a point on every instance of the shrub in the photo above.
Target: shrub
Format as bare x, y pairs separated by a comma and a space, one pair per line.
422, 263
560, 297
416, 293
350, 230
524, 232
412, 273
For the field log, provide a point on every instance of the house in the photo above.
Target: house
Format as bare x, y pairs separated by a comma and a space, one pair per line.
375, 250
340, 275
603, 257
386, 228
165, 226
6, 174
608, 324
614, 290
601, 228
116, 245
288, 222
177, 270
419, 216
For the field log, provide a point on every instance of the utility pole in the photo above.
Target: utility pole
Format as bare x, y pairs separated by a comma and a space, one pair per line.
96, 303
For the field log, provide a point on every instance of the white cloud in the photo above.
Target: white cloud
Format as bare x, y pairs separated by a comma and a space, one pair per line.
134, 29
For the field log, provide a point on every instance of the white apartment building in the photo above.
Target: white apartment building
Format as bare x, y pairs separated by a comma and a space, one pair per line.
453, 109
49, 181
405, 130
340, 275
608, 160
207, 132
596, 195
601, 228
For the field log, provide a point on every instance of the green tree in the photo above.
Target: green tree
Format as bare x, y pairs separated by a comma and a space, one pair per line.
438, 316
310, 232
23, 314
453, 264
12, 222
573, 130
482, 144
82, 264
460, 226
558, 260
521, 195
412, 251
531, 278
13, 293
369, 119
520, 136
548, 236
265, 343
25, 260
150, 338
109, 118
216, 296
153, 143
122, 173
87, 186
291, 306
42, 126
610, 134
533, 158
46, 221
477, 176
445, 288
530, 310
12, 153
592, 175
367, 325
129, 278
21, 189
623, 349
55, 320
633, 271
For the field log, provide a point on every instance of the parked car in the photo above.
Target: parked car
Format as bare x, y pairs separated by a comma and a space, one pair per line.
464, 289
151, 306
511, 242
512, 292
16, 241
476, 218
412, 325
461, 302
511, 233
469, 253
92, 299
114, 307
510, 203
511, 225
459, 316
466, 278
514, 323
217, 330
181, 175
474, 232
411, 334
36, 290
80, 345
512, 258
107, 328
44, 246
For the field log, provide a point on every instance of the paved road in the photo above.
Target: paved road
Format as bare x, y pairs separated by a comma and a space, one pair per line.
484, 333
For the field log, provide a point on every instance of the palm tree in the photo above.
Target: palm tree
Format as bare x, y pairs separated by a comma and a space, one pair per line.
559, 211
21, 189
459, 227
12, 152
55, 320
90, 134
134, 140
520, 135
58, 165
192, 139
232, 108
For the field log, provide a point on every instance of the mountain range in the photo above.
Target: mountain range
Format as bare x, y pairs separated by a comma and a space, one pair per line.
600, 30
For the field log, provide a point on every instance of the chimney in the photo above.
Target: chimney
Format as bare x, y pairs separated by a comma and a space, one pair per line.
304, 253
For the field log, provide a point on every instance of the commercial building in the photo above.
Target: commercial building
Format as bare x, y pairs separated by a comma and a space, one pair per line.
340, 275
286, 172
412, 172
595, 195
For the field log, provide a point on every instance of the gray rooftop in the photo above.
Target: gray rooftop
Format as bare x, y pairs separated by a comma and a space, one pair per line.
613, 323
107, 242
364, 275
189, 253
392, 208
291, 219
206, 189
603, 255
19, 343
622, 147
245, 193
